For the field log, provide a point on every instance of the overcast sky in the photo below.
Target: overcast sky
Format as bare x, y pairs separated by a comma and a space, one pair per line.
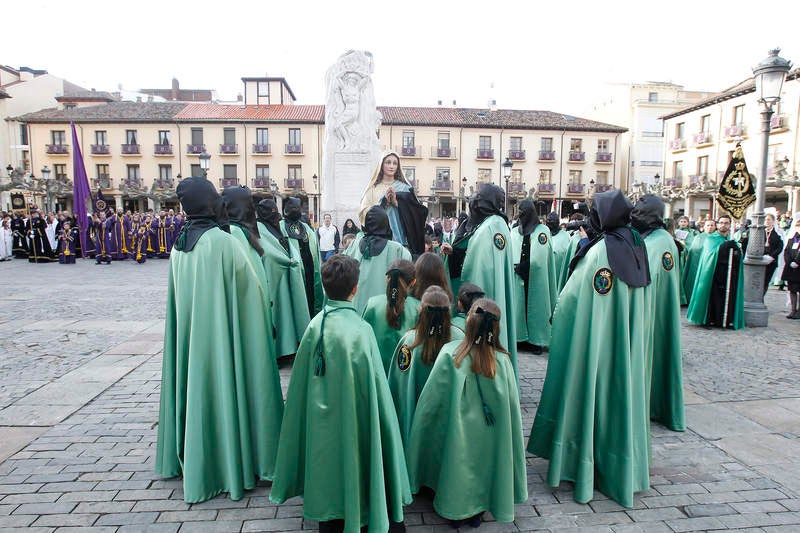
539, 55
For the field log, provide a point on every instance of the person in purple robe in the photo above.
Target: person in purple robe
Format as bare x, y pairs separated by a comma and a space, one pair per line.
91, 236
120, 237
39, 247
171, 233
103, 234
141, 238
152, 238
160, 227
67, 240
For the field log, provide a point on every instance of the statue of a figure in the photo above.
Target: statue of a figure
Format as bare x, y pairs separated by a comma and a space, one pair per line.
350, 114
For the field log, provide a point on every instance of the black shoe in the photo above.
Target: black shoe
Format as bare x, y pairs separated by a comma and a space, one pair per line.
537, 350
455, 524
397, 527
475, 521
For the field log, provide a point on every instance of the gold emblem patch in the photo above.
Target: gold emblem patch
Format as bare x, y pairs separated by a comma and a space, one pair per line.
404, 359
667, 261
499, 241
542, 238
603, 281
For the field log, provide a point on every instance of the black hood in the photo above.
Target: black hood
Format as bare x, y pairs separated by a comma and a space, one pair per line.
528, 218
490, 200
648, 214
268, 214
292, 209
377, 232
241, 211
204, 211
553, 222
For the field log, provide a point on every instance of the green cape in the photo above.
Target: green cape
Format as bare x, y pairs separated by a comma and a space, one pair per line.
472, 466
221, 400
592, 421
694, 251
459, 320
664, 344
489, 264
313, 244
372, 276
285, 275
560, 243
340, 446
533, 320
698, 305
407, 375
387, 337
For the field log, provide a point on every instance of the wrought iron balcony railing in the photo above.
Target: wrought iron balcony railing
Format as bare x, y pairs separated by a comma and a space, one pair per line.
162, 149
130, 149
261, 149
547, 155
261, 183
701, 138
444, 152
294, 183
408, 151
442, 185
604, 157
516, 155
516, 187
485, 154
101, 149
103, 182
547, 188
294, 149
195, 148
229, 182
57, 149
575, 188
228, 148
603, 187
577, 157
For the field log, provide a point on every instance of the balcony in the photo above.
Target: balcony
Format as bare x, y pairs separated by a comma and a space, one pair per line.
228, 149
696, 179
778, 123
444, 153
701, 139
516, 188
195, 148
408, 151
442, 185
485, 154
575, 188
603, 187
516, 155
58, 149
101, 149
577, 157
130, 149
102, 182
547, 155
229, 182
603, 157
672, 182
736, 130
294, 183
164, 183
131, 183
547, 188
293, 149
162, 149
676, 145
262, 149
261, 183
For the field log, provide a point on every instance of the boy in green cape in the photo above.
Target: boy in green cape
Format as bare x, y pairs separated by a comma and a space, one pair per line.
340, 447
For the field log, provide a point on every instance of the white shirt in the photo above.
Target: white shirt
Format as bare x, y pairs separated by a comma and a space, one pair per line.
327, 234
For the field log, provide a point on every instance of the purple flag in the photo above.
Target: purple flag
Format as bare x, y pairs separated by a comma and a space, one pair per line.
80, 189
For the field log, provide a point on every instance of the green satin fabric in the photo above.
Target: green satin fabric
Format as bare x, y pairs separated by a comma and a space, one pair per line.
698, 305
285, 275
533, 320
313, 244
472, 466
664, 344
694, 250
592, 422
406, 385
459, 320
221, 401
387, 336
372, 276
560, 242
340, 446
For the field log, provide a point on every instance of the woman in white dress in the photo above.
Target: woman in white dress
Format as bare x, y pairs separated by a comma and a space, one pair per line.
6, 239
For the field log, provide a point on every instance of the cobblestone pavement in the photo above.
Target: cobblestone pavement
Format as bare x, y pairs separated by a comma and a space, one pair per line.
79, 388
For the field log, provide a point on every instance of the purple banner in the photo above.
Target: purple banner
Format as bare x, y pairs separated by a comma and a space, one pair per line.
80, 189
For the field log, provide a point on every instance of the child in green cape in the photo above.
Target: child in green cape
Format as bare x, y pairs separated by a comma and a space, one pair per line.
467, 294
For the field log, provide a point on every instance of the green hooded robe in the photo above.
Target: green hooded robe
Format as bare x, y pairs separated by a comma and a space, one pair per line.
285, 275
221, 434
471, 465
694, 251
340, 446
372, 276
592, 422
387, 336
407, 376
664, 345
533, 316
313, 244
560, 242
698, 305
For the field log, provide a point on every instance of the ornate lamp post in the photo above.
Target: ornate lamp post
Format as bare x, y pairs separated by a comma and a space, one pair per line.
507, 164
205, 162
769, 76
46, 177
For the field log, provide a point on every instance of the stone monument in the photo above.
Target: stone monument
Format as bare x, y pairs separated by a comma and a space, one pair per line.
351, 149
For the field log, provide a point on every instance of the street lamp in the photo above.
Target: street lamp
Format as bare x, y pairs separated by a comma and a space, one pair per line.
46, 176
205, 162
10, 170
507, 164
769, 76
315, 179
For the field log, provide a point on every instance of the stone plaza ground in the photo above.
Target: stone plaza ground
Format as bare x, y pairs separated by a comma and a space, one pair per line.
80, 366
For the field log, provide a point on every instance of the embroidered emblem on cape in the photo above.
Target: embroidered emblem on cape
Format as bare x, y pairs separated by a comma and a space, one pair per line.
100, 204
667, 261
404, 359
603, 281
295, 231
499, 241
542, 238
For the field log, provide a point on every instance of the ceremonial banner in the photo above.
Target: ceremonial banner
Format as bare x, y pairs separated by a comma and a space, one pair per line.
18, 201
736, 191
100, 202
80, 189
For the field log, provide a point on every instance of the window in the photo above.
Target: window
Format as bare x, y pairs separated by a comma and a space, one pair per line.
705, 123
484, 143
602, 177
26, 160
229, 172
516, 144
58, 137
408, 139
229, 136
133, 172
443, 140
23, 134
294, 136
60, 171
443, 173
262, 172
196, 170
102, 171
575, 177
197, 138
738, 115
516, 175
295, 172
484, 175
652, 97
165, 172
680, 130
70, 106
677, 170
411, 175
546, 175
575, 145
130, 137
163, 137
101, 137
602, 146
702, 165
263, 88
262, 136
547, 144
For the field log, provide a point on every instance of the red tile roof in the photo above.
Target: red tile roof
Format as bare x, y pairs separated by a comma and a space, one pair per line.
311, 114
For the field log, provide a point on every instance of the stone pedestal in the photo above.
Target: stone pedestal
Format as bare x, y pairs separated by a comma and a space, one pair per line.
756, 314
345, 183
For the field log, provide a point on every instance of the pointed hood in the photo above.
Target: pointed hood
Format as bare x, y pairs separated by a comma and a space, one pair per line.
204, 210
242, 212
377, 232
528, 218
